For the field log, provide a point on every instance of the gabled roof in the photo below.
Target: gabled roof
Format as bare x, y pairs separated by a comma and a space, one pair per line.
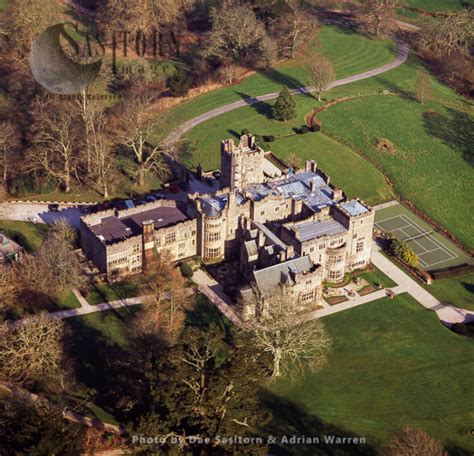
269, 278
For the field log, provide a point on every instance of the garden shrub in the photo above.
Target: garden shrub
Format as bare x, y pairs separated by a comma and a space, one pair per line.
186, 270
179, 83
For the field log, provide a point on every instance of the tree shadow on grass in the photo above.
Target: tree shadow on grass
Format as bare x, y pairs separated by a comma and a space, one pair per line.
469, 287
290, 419
96, 358
394, 88
261, 107
205, 314
456, 130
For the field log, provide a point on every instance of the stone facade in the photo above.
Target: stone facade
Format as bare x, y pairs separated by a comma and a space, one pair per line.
263, 218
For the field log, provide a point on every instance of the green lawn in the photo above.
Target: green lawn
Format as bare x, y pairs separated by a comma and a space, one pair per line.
363, 180
377, 277
432, 162
437, 5
351, 53
457, 291
28, 235
112, 292
392, 364
69, 301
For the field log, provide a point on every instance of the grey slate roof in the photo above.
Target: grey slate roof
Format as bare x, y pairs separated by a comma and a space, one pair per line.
354, 208
298, 187
269, 278
316, 229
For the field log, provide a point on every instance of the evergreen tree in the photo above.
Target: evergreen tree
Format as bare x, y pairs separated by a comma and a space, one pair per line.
285, 106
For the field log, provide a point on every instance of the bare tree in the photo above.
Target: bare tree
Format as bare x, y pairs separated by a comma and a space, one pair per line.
9, 144
413, 442
423, 87
458, 30
279, 330
322, 74
228, 72
296, 27
55, 139
102, 152
26, 20
63, 230
166, 302
236, 33
53, 271
293, 161
136, 132
32, 350
379, 15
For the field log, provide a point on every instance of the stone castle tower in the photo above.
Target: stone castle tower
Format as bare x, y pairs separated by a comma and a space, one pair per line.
242, 165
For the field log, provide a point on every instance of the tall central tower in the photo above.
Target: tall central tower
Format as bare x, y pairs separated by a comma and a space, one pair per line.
242, 165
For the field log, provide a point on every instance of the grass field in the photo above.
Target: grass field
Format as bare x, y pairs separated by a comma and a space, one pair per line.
432, 161
457, 291
350, 52
392, 364
363, 180
377, 277
112, 292
437, 5
29, 235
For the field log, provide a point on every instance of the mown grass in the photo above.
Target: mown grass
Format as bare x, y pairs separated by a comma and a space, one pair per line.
392, 364
377, 278
432, 162
351, 53
112, 292
437, 5
29, 235
356, 177
456, 291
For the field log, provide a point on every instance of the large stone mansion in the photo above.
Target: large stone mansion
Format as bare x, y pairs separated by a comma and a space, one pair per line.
285, 228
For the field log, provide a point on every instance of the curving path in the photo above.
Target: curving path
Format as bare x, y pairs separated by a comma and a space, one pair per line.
176, 134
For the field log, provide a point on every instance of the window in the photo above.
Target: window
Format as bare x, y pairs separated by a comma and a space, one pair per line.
213, 236
321, 247
307, 296
170, 238
277, 209
359, 247
182, 245
355, 236
308, 282
335, 275
193, 233
181, 255
262, 213
213, 253
311, 249
136, 248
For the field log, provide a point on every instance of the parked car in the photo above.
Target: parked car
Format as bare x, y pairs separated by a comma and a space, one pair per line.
151, 198
216, 174
53, 207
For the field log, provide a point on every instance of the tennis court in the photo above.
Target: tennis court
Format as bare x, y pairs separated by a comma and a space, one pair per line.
433, 250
